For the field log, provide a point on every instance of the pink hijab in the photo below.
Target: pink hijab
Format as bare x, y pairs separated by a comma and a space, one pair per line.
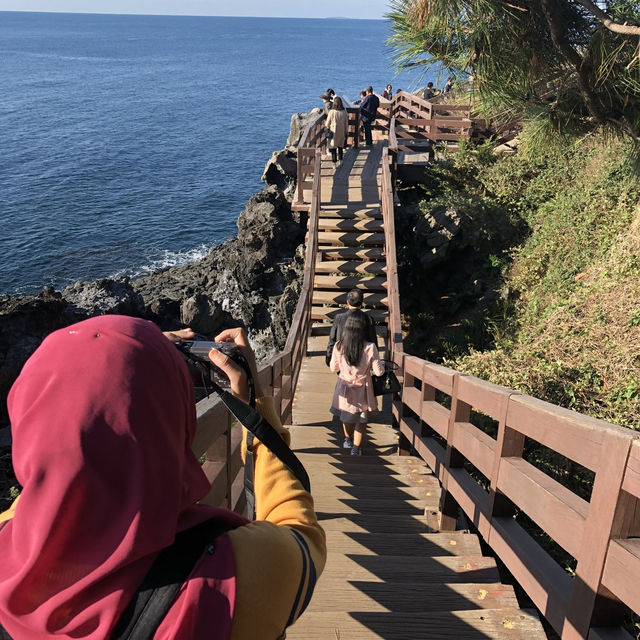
102, 419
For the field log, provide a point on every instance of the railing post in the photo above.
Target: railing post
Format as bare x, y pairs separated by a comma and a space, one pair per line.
356, 135
449, 508
404, 445
510, 443
299, 177
590, 603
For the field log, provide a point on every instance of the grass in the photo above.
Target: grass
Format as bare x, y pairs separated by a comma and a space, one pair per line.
558, 251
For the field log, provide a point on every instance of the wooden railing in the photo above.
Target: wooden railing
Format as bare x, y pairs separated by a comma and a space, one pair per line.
217, 440
476, 437
489, 477
394, 334
313, 138
414, 120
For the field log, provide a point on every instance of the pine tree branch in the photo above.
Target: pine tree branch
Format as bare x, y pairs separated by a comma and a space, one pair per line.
625, 29
581, 66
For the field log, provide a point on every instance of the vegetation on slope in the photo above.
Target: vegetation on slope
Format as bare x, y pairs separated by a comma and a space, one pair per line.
563, 323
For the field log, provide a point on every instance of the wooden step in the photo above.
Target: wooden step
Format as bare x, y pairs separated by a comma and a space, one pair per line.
327, 312
350, 238
351, 253
331, 224
325, 328
358, 523
335, 490
341, 472
391, 507
347, 283
398, 568
350, 212
471, 624
332, 298
397, 596
450, 544
350, 266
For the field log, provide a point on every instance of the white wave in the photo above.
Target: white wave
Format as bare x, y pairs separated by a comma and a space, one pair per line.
164, 260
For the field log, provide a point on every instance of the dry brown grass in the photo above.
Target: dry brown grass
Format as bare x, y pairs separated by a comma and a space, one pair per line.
585, 353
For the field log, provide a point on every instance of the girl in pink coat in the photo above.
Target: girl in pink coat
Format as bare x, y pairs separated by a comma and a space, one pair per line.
354, 360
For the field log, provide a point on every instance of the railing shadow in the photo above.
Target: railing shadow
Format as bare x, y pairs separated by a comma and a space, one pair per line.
390, 562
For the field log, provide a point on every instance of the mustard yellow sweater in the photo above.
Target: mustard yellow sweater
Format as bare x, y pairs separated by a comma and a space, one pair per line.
280, 554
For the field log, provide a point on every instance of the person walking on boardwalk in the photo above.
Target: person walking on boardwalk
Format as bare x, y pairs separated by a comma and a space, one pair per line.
387, 94
354, 302
429, 91
326, 103
337, 129
369, 113
103, 421
354, 359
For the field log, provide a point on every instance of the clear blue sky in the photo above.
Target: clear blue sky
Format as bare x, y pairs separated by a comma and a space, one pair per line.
277, 8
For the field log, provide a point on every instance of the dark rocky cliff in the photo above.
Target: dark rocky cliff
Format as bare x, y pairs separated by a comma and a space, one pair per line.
251, 280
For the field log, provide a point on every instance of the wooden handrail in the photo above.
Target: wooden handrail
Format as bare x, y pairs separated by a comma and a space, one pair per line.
311, 139
393, 294
436, 415
413, 118
217, 443
600, 534
393, 139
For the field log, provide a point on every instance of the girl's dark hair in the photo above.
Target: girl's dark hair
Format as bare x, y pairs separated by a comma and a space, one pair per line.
337, 104
352, 337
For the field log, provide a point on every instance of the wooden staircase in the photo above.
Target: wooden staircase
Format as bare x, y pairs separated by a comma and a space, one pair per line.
351, 239
389, 573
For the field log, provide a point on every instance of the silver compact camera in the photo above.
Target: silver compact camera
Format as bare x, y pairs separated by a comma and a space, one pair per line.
198, 351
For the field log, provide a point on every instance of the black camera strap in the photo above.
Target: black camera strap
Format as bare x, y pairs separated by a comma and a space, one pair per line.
161, 585
261, 429
257, 427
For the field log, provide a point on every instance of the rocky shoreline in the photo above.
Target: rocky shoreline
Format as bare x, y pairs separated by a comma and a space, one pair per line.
251, 280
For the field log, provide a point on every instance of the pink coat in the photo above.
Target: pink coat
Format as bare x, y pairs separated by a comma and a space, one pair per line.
354, 389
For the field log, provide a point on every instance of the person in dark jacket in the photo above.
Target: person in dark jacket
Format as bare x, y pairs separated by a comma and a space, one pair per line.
368, 113
326, 102
354, 302
429, 91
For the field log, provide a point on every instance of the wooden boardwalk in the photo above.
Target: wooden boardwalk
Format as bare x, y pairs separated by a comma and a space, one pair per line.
389, 573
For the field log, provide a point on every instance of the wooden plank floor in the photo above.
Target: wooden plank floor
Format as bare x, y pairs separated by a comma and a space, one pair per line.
351, 235
389, 573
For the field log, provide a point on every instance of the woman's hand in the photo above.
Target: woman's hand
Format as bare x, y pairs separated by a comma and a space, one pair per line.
235, 373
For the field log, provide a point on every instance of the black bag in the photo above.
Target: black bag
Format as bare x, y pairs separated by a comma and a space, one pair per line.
329, 134
159, 588
387, 382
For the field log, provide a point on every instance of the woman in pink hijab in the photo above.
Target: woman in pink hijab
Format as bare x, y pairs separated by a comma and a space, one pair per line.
103, 418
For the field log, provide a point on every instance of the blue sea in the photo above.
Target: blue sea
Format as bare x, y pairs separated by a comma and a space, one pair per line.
132, 143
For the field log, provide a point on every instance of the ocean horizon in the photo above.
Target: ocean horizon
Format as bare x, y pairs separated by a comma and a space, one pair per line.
131, 143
